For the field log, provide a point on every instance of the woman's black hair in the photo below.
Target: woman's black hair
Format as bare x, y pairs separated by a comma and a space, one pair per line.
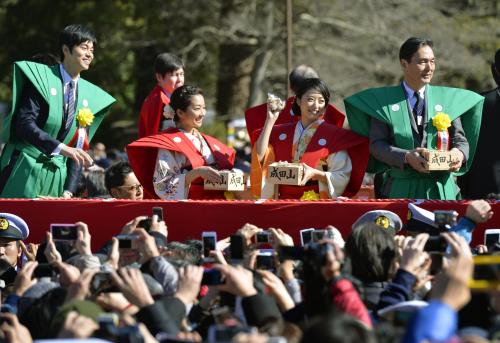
181, 98
306, 85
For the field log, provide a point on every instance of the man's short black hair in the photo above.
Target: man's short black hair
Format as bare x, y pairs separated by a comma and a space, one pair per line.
74, 35
495, 68
411, 46
116, 174
167, 63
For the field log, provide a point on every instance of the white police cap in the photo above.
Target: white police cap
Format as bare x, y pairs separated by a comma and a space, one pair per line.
419, 219
12, 226
387, 220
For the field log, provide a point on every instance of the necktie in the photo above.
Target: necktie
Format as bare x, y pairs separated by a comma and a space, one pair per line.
418, 110
71, 104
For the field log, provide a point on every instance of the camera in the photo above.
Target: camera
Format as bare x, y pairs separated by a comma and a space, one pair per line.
436, 244
64, 232
263, 237
445, 219
318, 235
265, 260
126, 241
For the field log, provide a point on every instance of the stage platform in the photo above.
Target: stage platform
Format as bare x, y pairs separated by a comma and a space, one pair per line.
187, 219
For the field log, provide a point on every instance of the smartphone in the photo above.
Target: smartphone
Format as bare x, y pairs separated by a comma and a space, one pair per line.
290, 253
64, 232
318, 235
236, 248
263, 237
491, 237
159, 212
265, 260
445, 218
306, 236
212, 277
436, 244
44, 270
436, 263
486, 272
126, 241
209, 241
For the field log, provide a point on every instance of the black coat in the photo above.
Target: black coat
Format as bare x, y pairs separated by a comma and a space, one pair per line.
484, 175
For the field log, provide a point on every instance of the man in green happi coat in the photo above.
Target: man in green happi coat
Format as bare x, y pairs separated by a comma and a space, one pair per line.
55, 114
398, 121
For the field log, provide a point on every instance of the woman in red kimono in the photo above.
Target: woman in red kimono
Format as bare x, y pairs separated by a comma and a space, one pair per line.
172, 165
333, 159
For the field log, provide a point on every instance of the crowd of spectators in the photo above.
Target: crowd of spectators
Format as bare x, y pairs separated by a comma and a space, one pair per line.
257, 285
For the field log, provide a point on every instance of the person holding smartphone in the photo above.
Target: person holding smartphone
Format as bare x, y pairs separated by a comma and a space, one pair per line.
333, 159
173, 165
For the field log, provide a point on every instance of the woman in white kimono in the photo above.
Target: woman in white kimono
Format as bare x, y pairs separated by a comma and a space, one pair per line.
184, 156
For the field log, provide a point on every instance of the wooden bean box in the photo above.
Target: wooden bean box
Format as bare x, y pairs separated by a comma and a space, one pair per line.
285, 173
438, 160
230, 181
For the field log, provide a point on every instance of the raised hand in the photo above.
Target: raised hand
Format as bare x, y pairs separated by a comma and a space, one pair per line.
189, 283
50, 251
131, 282
479, 211
82, 243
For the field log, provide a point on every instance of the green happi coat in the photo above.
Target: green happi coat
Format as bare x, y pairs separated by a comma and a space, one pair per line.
35, 173
389, 105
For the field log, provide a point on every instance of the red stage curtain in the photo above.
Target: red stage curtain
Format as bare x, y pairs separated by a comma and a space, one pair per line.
187, 219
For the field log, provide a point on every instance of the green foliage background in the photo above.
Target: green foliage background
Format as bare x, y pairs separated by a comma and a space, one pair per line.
352, 43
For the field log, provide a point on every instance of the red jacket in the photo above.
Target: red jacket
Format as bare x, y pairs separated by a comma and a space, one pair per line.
255, 117
152, 111
327, 140
347, 300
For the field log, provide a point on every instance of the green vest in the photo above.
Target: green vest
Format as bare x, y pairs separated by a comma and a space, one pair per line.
389, 104
34, 173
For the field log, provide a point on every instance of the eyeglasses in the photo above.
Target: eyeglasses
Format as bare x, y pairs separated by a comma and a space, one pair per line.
132, 188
